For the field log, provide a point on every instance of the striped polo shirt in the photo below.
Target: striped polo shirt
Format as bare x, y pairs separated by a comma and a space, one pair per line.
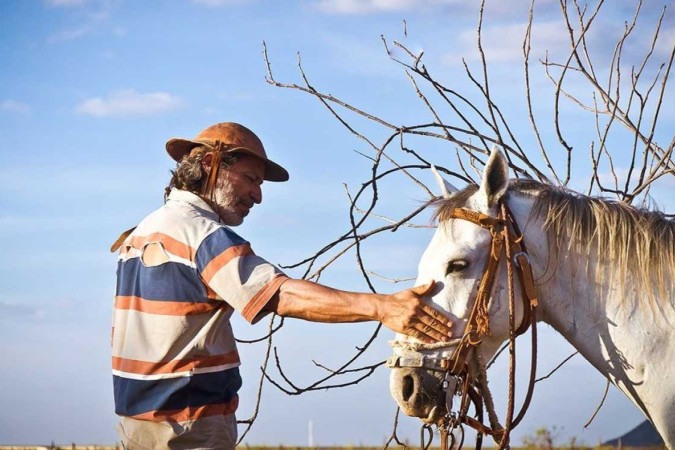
174, 357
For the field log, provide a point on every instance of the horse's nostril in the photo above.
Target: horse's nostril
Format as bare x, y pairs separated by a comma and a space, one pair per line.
408, 387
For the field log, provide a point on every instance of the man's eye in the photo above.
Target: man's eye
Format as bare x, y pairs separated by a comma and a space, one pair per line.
456, 266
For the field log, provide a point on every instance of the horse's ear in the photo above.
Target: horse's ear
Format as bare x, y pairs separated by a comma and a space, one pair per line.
447, 189
495, 177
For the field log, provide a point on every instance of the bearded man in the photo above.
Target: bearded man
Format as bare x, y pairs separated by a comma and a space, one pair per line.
182, 272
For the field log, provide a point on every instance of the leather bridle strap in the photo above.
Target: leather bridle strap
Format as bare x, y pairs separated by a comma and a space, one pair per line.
479, 317
522, 261
478, 323
476, 217
531, 301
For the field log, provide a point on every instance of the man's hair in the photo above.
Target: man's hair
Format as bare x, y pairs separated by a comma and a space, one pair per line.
189, 175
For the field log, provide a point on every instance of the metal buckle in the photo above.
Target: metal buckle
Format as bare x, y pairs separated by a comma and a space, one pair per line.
392, 361
515, 258
417, 362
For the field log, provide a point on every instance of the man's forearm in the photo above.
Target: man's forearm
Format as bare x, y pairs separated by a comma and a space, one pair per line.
311, 301
403, 312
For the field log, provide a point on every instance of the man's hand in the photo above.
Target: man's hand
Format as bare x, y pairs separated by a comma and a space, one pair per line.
404, 312
408, 313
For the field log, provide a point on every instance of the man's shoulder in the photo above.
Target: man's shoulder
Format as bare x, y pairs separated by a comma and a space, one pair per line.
180, 221
187, 219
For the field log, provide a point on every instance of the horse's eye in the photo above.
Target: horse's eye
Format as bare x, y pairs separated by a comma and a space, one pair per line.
456, 266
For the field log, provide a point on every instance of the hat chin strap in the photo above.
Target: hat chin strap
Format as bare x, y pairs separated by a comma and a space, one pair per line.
208, 188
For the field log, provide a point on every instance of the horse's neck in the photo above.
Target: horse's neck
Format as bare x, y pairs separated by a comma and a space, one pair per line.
630, 345
568, 300
584, 307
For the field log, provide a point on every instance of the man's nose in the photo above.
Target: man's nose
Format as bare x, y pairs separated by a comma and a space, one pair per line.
256, 194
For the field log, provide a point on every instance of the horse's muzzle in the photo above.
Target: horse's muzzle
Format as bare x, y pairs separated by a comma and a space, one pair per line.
419, 393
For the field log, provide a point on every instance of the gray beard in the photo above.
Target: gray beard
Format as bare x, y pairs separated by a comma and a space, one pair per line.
225, 201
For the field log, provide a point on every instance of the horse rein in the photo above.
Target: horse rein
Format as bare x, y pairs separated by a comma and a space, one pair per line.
507, 240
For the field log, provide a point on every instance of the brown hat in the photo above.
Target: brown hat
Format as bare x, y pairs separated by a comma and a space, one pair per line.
236, 139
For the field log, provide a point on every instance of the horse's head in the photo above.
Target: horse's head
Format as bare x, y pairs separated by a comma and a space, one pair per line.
457, 259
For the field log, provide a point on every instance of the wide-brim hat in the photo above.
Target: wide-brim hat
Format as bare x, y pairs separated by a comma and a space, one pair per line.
235, 138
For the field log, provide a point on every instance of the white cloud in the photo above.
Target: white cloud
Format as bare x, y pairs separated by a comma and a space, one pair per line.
664, 44
376, 6
456, 9
90, 20
354, 56
66, 3
218, 3
70, 34
15, 107
128, 102
504, 43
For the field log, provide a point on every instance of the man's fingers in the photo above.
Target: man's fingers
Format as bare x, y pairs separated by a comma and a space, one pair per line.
423, 289
430, 335
427, 323
444, 328
419, 335
427, 328
429, 331
437, 319
436, 314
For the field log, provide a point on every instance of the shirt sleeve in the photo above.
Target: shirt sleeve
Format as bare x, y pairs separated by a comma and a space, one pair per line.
244, 280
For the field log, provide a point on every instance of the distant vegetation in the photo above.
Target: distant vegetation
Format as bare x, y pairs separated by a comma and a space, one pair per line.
541, 439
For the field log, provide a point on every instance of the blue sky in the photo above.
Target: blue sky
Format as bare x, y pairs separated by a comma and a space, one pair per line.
91, 89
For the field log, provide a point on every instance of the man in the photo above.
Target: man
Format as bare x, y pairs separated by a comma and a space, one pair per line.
181, 274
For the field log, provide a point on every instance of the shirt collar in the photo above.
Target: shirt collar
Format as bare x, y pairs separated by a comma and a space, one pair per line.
194, 200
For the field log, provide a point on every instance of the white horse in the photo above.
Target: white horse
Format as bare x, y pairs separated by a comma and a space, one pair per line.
603, 276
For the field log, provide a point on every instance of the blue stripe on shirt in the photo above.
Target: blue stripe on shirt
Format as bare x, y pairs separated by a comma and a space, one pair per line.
134, 397
215, 244
171, 281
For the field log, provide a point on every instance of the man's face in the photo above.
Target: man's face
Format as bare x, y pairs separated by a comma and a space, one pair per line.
239, 188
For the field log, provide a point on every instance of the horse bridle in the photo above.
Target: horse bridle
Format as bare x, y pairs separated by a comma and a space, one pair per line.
507, 240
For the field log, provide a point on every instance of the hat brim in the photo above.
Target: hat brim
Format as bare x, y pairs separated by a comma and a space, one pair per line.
178, 148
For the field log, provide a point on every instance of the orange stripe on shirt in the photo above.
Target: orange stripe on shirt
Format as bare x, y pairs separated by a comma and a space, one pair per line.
165, 308
225, 257
260, 299
170, 244
140, 367
193, 413
211, 294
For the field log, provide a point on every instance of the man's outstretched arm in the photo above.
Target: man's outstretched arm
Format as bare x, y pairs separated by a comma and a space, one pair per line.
403, 312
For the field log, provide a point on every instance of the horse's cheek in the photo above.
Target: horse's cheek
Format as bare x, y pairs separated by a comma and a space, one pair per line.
458, 291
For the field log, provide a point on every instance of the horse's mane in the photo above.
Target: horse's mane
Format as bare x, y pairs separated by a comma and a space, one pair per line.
630, 240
